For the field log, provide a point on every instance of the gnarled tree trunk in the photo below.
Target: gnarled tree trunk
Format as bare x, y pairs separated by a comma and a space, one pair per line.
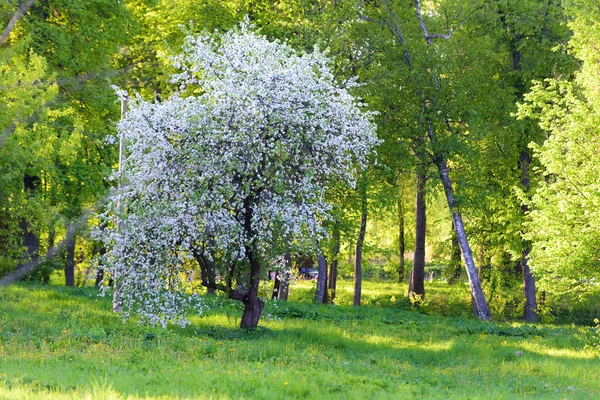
253, 306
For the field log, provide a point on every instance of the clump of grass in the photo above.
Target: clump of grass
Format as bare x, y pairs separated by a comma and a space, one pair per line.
62, 343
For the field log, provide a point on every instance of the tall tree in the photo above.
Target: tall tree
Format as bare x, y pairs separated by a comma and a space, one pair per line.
254, 179
564, 218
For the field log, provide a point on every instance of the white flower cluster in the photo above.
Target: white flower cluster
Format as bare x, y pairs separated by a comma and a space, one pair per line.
256, 127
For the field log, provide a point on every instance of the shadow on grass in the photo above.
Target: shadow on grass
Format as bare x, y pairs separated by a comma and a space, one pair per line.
355, 343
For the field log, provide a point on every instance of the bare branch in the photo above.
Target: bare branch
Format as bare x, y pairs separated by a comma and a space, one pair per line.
11, 24
430, 36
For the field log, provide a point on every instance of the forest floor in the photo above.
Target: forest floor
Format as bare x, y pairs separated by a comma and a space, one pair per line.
65, 343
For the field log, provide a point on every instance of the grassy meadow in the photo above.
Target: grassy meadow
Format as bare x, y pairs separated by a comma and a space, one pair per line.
64, 343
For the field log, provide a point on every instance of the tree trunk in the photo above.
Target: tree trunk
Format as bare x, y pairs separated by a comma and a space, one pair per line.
31, 241
253, 306
321, 292
276, 287
333, 267
359, 245
416, 286
455, 261
479, 303
51, 240
401, 242
529, 313
70, 262
283, 284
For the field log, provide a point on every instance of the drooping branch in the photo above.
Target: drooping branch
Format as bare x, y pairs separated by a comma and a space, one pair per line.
13, 21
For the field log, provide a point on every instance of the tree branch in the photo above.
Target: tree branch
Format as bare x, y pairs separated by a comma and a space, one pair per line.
11, 24
430, 36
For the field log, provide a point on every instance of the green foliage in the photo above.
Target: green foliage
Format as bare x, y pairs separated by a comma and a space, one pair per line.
564, 223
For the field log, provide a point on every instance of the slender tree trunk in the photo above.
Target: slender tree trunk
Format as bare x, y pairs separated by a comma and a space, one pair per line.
416, 286
253, 306
276, 287
401, 239
359, 244
455, 261
479, 303
51, 240
31, 241
283, 284
333, 268
529, 313
70, 262
320, 294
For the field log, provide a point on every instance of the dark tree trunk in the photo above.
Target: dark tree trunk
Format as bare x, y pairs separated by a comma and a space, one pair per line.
321, 292
31, 241
416, 286
333, 268
70, 262
455, 262
253, 306
51, 240
479, 303
276, 287
529, 313
207, 271
401, 241
359, 244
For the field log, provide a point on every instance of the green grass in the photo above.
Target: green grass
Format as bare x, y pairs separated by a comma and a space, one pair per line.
66, 344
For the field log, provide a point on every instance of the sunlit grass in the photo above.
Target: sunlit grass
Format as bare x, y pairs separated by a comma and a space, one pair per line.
61, 343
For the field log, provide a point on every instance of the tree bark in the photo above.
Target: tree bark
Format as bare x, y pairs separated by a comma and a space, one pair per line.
529, 292
253, 306
401, 238
479, 303
359, 244
283, 284
333, 267
320, 293
416, 286
276, 287
70, 262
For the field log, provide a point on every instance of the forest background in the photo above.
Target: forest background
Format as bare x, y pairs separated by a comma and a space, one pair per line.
496, 101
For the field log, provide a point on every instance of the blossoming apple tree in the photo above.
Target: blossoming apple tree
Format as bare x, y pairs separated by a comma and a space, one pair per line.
230, 171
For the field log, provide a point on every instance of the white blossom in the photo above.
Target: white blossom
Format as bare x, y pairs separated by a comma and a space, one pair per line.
255, 124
